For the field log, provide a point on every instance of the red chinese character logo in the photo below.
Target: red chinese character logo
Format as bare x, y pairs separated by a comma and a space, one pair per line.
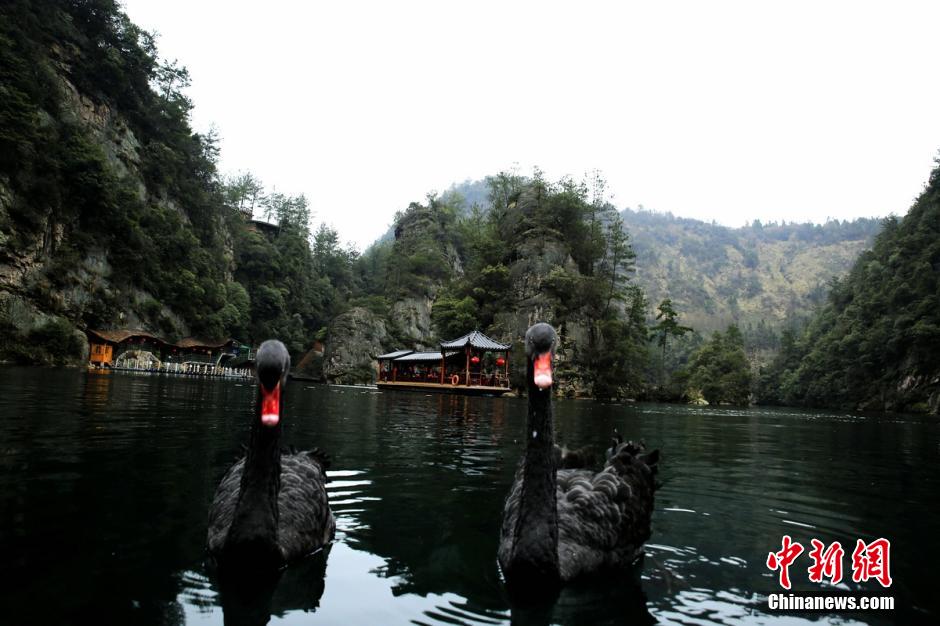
782, 560
872, 561
826, 564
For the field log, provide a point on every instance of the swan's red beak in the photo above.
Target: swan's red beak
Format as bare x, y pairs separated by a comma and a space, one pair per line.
270, 405
543, 370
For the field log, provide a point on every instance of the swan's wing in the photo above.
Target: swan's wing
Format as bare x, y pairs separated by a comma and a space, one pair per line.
603, 518
510, 518
305, 522
589, 512
222, 511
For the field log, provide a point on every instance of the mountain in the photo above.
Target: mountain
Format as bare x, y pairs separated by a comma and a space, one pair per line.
757, 275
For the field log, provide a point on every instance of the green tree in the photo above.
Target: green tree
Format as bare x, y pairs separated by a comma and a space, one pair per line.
453, 317
719, 369
622, 355
617, 262
667, 327
244, 192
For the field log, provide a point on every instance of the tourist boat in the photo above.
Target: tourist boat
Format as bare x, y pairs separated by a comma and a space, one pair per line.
472, 365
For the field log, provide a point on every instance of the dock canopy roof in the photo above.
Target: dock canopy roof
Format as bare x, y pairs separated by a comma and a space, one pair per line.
395, 355
117, 336
138, 336
475, 339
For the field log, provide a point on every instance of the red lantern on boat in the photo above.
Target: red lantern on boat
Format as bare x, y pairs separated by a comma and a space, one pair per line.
474, 359
500, 361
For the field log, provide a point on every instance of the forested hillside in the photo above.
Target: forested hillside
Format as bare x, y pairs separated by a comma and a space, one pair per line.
761, 277
112, 212
875, 344
758, 274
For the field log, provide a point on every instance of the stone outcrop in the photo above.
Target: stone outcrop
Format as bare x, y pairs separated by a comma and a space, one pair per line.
310, 365
412, 315
920, 394
354, 341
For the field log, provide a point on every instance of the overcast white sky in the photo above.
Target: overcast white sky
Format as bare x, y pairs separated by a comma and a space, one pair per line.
725, 111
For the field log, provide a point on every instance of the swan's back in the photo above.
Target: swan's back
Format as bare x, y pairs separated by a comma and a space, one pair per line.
604, 517
305, 521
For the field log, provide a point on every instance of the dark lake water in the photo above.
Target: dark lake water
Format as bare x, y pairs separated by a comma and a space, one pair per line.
106, 479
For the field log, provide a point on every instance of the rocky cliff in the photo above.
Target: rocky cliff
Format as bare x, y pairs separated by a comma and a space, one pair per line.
36, 287
355, 339
109, 210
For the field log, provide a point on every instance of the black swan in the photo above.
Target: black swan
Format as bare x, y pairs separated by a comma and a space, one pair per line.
558, 525
615, 442
271, 506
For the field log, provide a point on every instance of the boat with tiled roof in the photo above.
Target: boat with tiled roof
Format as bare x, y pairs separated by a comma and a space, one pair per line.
472, 364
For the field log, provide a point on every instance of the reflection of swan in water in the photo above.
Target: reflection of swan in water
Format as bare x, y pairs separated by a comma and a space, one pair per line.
252, 601
617, 599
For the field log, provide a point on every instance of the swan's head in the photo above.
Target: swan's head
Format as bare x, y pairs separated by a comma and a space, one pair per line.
271, 366
539, 350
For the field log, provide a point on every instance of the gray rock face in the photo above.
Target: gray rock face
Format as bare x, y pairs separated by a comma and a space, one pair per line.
18, 319
919, 393
413, 317
110, 130
28, 298
355, 339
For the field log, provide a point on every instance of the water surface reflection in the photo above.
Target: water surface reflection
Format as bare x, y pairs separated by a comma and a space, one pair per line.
105, 483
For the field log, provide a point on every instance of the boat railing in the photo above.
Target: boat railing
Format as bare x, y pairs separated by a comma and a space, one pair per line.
477, 379
489, 380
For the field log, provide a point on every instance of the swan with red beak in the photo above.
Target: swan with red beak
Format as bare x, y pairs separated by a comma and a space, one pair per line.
271, 507
560, 524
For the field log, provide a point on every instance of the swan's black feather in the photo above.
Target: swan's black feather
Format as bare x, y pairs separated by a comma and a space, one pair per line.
305, 522
603, 517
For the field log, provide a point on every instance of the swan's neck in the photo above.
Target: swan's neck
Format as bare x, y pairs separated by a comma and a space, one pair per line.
535, 552
253, 534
